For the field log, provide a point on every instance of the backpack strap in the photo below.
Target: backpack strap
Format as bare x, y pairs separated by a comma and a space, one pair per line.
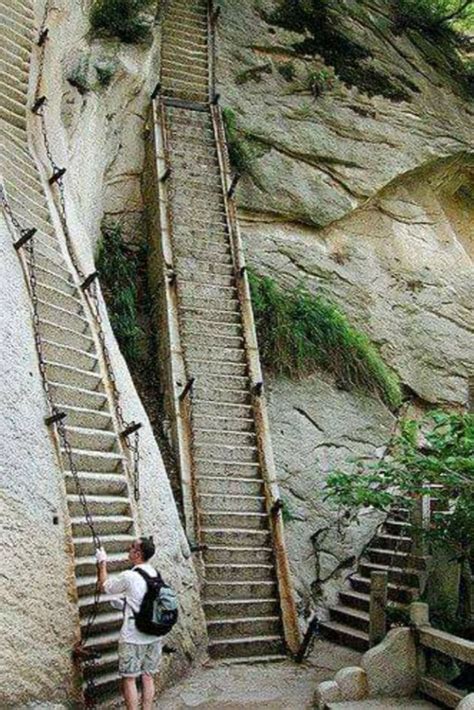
147, 577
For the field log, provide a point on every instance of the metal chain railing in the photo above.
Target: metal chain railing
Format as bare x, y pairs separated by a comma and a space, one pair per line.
93, 292
57, 417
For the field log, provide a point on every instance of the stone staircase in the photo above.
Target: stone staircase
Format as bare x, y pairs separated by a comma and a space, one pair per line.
241, 592
72, 363
390, 551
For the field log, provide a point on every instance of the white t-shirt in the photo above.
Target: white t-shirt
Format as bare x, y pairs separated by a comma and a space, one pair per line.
131, 587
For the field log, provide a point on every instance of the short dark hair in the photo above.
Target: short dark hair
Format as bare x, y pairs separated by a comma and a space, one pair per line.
147, 547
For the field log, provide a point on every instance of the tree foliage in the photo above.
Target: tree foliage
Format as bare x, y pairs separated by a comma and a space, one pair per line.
117, 270
436, 16
443, 463
120, 18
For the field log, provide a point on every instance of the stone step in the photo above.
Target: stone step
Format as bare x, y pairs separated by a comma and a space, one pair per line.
397, 527
206, 340
223, 436
105, 525
396, 592
55, 265
105, 622
184, 50
198, 366
206, 467
204, 407
408, 577
73, 376
233, 519
393, 542
224, 590
114, 484
84, 546
232, 383
212, 327
87, 418
355, 618
62, 282
205, 270
220, 353
60, 299
395, 558
197, 276
21, 30
344, 635
219, 554
207, 392
116, 562
226, 452
78, 397
232, 503
176, 90
237, 608
247, 647
189, 248
178, 38
356, 600
95, 461
31, 203
212, 304
241, 572
241, 424
226, 485
196, 73
67, 337
66, 319
91, 439
69, 355
180, 12
243, 627
104, 641
99, 505
235, 536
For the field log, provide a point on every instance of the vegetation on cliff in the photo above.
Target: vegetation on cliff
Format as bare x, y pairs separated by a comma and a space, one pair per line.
117, 268
299, 333
120, 18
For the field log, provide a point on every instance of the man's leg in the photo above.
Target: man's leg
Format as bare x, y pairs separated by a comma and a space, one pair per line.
148, 691
130, 693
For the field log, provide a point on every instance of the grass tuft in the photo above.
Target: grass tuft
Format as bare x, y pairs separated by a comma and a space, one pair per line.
244, 150
116, 265
120, 18
299, 333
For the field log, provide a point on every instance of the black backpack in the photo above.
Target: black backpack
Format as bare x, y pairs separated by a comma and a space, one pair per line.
158, 611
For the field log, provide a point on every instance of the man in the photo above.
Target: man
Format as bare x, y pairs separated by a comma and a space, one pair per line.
139, 653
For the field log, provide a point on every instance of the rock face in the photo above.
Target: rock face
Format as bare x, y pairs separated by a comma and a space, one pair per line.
365, 193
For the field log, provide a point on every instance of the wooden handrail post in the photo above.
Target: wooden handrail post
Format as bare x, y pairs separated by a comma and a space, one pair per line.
420, 520
378, 607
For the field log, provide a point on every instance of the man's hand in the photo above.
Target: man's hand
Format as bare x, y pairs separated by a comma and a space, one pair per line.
100, 555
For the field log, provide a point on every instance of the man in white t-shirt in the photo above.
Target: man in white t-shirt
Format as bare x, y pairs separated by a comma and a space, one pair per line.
139, 653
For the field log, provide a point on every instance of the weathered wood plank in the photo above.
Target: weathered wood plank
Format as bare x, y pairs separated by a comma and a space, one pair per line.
446, 643
441, 691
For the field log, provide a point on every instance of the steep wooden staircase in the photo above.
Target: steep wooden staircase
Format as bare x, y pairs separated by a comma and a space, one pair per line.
69, 350
247, 596
391, 551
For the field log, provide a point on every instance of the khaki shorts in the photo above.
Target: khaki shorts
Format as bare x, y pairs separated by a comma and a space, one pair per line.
136, 659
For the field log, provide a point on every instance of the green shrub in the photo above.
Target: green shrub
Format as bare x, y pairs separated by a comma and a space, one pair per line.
120, 18
319, 81
243, 149
299, 332
105, 71
117, 269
